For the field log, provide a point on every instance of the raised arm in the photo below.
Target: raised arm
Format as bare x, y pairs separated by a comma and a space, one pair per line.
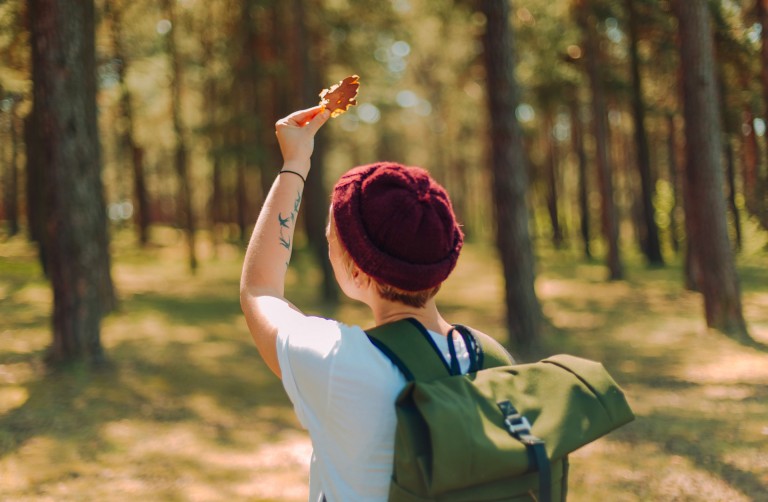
262, 283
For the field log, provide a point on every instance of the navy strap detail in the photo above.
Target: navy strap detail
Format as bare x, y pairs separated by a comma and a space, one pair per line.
474, 348
455, 368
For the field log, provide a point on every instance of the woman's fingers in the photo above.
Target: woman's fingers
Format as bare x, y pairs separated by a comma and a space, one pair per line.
301, 117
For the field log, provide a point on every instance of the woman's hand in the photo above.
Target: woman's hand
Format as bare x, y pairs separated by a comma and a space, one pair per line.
296, 135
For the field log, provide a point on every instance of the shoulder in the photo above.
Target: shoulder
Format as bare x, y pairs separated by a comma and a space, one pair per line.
328, 365
317, 337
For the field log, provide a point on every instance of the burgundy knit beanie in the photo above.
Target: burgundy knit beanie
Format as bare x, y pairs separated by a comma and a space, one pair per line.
397, 224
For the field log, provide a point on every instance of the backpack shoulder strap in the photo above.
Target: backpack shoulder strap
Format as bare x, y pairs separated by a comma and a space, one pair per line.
408, 345
493, 353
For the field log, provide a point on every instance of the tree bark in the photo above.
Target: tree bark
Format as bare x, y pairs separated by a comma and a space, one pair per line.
64, 91
510, 179
649, 229
708, 238
181, 157
600, 130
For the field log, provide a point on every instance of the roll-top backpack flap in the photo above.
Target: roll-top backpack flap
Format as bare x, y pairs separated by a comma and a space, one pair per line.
467, 440
597, 378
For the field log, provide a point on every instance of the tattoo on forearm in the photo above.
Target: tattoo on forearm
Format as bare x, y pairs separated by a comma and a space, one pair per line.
287, 223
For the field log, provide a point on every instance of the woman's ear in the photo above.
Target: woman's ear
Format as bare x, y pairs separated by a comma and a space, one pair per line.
357, 276
360, 278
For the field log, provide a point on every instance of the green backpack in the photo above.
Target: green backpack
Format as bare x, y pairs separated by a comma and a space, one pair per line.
501, 432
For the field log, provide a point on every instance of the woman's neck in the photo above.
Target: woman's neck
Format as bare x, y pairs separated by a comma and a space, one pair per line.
386, 312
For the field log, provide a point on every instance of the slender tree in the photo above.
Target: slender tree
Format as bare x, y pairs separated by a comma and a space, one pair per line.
13, 205
134, 151
251, 114
64, 92
750, 153
181, 155
509, 178
577, 144
705, 211
552, 177
600, 130
11, 169
213, 117
35, 187
730, 171
673, 181
761, 183
315, 193
649, 230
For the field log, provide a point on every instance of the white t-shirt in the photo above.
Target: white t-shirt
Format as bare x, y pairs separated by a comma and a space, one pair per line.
343, 390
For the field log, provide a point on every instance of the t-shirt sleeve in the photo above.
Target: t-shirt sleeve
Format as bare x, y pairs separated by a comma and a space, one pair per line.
305, 349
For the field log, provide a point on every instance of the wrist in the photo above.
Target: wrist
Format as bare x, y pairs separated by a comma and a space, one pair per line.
299, 166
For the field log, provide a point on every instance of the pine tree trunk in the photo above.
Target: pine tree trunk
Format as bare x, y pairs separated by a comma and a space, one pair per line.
649, 230
609, 219
510, 179
708, 238
64, 90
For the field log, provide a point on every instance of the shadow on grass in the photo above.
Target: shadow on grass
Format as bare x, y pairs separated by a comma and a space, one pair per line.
190, 310
644, 331
704, 441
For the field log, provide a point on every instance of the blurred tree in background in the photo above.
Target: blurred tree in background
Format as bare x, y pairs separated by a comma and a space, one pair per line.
598, 128
66, 132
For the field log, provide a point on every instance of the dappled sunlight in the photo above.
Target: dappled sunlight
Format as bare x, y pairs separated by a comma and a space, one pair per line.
645, 472
12, 397
735, 367
680, 481
189, 411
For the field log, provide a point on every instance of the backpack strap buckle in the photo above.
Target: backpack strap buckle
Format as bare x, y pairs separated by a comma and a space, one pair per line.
517, 425
519, 428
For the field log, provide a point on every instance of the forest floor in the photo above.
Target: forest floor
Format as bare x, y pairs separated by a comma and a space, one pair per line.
187, 411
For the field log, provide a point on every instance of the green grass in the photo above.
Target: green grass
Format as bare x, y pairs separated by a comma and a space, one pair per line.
187, 411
